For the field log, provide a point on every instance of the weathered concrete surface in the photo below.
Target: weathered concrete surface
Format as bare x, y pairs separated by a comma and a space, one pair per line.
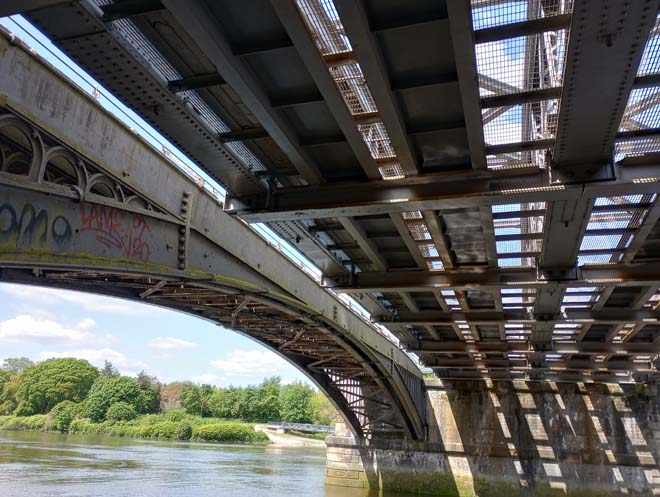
505, 439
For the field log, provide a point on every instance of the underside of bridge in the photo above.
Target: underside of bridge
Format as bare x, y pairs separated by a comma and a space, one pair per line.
86, 204
482, 175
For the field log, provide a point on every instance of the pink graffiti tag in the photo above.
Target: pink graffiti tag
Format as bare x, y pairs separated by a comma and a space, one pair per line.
117, 230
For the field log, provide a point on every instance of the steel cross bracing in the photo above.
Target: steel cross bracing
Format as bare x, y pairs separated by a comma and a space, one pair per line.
494, 177
79, 214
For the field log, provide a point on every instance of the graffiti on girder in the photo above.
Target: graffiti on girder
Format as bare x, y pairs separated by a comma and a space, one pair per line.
117, 230
32, 226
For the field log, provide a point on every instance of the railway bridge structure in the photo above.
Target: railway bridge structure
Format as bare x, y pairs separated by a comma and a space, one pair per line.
482, 176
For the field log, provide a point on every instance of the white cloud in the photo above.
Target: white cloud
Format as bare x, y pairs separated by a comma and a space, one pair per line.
97, 357
251, 366
211, 378
86, 301
169, 343
27, 328
86, 323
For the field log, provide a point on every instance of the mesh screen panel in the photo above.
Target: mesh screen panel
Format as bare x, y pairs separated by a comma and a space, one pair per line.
489, 13
651, 58
513, 65
324, 25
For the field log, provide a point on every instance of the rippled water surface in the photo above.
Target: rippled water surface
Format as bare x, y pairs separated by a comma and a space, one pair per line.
48, 464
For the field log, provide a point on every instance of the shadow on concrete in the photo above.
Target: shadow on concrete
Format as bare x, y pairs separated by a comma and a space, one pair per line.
505, 439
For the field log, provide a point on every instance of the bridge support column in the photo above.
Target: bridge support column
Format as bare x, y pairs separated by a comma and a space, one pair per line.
515, 439
344, 466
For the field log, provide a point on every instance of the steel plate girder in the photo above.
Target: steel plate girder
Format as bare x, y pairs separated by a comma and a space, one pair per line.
586, 348
426, 281
88, 38
11, 7
199, 22
385, 197
605, 316
604, 50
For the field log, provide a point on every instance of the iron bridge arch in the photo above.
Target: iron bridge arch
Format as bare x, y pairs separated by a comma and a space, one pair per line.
68, 222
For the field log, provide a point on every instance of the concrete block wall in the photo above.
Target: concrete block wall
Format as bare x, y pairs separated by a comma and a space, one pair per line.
504, 439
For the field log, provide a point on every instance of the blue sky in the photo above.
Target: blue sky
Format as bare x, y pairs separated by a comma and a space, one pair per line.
39, 323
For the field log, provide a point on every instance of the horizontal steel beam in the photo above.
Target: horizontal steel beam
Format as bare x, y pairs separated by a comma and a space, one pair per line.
243, 134
522, 28
549, 375
507, 364
11, 7
510, 95
514, 186
605, 316
508, 148
433, 347
129, 8
195, 82
647, 81
520, 98
425, 281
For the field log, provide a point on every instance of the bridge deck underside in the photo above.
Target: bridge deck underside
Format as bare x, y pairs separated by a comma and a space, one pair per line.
79, 209
446, 157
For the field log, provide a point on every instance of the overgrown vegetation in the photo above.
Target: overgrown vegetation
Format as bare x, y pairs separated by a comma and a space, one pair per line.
71, 396
150, 426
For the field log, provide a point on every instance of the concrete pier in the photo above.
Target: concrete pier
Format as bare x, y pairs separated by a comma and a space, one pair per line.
496, 439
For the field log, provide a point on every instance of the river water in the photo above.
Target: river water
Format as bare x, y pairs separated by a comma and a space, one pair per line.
50, 464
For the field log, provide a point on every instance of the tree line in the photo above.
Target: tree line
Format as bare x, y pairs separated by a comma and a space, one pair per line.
72, 388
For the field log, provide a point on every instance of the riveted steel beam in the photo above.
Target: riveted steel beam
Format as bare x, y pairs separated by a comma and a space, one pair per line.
605, 316
424, 281
381, 197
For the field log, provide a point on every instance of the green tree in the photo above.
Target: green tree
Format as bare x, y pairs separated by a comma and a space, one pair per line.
225, 403
17, 364
63, 414
4, 378
109, 390
9, 391
323, 412
108, 370
149, 393
247, 403
48, 383
295, 402
120, 411
195, 398
267, 406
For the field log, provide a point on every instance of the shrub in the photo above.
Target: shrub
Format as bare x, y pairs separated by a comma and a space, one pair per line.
108, 390
150, 419
122, 429
167, 430
176, 415
120, 411
184, 431
63, 414
83, 426
25, 423
228, 432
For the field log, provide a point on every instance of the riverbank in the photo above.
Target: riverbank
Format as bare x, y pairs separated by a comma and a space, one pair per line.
174, 425
287, 439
